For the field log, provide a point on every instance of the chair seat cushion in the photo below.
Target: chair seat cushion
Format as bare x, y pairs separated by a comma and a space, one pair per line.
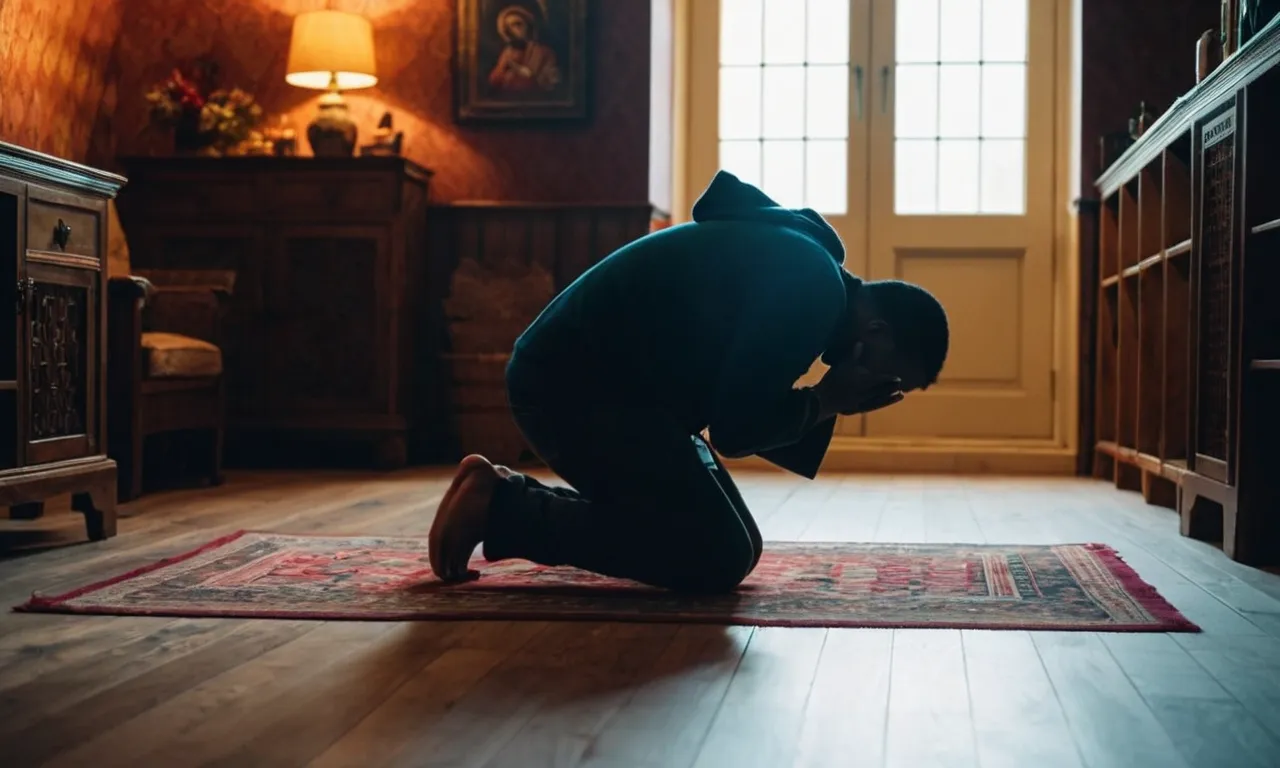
172, 355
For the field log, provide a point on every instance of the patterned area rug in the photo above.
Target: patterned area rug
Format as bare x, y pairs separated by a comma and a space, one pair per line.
268, 575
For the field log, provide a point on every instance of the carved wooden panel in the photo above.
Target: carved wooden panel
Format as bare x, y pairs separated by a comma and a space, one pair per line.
1215, 302
60, 310
58, 334
1214, 262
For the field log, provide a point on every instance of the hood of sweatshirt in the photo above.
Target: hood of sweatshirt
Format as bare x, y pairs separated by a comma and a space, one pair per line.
728, 198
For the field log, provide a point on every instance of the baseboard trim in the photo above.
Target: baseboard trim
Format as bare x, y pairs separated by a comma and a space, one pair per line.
944, 457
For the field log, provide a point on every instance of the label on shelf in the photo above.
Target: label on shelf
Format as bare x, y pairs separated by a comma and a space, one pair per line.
1219, 129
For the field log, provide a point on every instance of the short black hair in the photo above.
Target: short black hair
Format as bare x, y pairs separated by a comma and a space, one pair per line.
918, 322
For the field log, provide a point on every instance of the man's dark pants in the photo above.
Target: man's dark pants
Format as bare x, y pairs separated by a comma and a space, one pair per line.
649, 501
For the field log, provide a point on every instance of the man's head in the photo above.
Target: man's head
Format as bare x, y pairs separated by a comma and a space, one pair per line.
900, 330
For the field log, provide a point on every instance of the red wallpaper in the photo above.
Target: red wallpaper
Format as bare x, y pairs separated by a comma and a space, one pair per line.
1134, 51
57, 73
604, 159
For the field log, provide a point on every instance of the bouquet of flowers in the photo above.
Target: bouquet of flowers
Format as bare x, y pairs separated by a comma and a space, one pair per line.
203, 118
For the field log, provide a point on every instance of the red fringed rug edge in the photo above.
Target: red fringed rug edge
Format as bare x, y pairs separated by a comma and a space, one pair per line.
1147, 595
1169, 618
54, 604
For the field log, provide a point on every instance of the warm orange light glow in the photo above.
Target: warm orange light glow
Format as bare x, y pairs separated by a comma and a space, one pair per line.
328, 45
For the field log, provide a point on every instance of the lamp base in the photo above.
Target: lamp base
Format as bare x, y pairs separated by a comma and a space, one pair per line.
332, 132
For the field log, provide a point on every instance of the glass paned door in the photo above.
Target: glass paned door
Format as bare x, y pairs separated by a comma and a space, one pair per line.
923, 131
960, 114
777, 92
961, 156
783, 98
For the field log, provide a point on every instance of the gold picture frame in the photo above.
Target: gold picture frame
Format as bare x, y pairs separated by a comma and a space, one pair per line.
521, 61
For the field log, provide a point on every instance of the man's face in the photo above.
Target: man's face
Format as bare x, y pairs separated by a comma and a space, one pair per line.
876, 352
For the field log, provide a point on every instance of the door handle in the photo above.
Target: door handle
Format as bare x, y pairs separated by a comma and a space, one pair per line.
857, 83
884, 89
25, 289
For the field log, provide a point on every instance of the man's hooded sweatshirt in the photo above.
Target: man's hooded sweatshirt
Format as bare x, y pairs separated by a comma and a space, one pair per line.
711, 321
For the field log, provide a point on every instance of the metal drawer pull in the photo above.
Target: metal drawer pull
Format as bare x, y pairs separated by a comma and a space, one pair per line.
61, 234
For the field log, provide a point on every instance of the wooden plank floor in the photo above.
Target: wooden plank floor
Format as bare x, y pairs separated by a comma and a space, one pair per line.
109, 691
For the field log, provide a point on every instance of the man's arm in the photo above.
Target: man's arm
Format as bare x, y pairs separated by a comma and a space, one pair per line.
779, 423
756, 407
804, 457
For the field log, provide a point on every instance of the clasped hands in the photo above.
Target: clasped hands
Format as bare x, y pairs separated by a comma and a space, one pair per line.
848, 389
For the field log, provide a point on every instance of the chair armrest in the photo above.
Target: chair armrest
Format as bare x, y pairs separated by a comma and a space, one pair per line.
188, 302
220, 282
126, 299
129, 288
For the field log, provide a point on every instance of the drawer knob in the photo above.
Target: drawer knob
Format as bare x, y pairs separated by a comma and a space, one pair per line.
61, 234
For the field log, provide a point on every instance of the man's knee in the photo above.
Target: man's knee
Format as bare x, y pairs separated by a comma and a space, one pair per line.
757, 548
714, 568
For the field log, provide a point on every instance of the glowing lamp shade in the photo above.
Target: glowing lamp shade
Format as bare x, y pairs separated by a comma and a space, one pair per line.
331, 48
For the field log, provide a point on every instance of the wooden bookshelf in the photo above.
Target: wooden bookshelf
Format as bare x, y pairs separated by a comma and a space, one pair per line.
1187, 365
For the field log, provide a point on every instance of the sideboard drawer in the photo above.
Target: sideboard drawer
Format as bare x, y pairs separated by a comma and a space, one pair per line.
322, 194
62, 228
213, 197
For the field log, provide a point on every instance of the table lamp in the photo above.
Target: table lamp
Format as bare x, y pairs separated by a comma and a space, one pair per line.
331, 51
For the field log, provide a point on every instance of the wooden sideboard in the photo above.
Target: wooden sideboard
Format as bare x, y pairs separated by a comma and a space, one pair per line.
1188, 327
323, 329
53, 229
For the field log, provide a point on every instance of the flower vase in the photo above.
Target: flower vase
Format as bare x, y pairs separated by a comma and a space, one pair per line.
187, 138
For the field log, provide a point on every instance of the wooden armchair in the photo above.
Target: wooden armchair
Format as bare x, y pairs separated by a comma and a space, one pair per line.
164, 361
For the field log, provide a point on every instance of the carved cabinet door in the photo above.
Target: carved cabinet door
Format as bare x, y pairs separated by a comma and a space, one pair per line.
1215, 222
60, 308
327, 313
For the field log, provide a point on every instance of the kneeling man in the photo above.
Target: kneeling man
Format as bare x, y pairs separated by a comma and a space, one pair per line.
704, 326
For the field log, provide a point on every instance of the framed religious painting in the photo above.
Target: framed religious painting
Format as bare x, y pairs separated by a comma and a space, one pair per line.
521, 61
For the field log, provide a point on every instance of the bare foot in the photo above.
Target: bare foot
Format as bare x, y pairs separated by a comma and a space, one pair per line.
460, 519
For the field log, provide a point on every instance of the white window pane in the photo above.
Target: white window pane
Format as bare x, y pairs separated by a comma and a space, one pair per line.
961, 30
958, 100
1003, 176
783, 32
828, 102
784, 172
916, 101
740, 102
826, 181
958, 176
742, 159
916, 37
1004, 30
784, 102
828, 22
741, 31
1004, 101
915, 176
